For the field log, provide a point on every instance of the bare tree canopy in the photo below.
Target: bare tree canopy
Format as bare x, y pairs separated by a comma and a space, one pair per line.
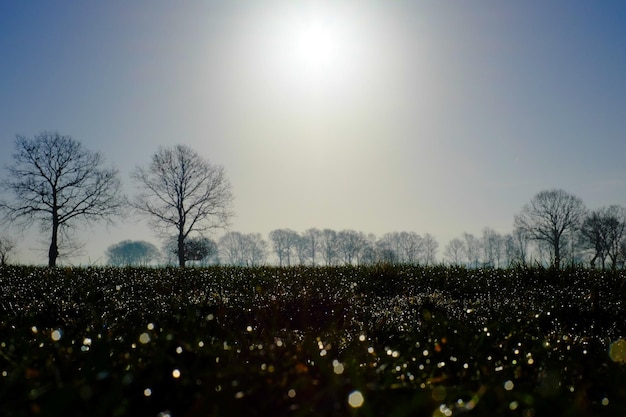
548, 216
56, 182
7, 246
603, 231
183, 192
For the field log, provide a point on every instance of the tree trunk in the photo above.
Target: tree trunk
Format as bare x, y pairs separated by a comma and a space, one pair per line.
53, 252
557, 255
181, 250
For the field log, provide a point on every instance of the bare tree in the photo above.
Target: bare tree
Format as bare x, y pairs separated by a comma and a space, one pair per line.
411, 247
430, 249
472, 249
311, 239
516, 248
454, 251
284, 242
492, 246
243, 249
58, 183
389, 248
349, 245
182, 191
7, 247
232, 248
328, 246
256, 248
548, 216
602, 231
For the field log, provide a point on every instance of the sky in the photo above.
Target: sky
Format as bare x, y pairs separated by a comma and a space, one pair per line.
424, 116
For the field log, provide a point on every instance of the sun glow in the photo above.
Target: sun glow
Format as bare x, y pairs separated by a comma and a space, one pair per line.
322, 45
317, 46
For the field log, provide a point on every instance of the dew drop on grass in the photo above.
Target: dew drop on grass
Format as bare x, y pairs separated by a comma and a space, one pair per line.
617, 351
338, 367
355, 399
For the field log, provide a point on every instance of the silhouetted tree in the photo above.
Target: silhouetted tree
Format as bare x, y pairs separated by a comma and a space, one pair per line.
410, 246
311, 240
328, 246
197, 248
7, 247
243, 249
472, 249
284, 242
602, 231
132, 253
182, 191
493, 246
516, 247
58, 183
454, 251
350, 243
388, 248
430, 249
548, 216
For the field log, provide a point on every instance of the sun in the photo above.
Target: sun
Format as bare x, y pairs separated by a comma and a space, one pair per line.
317, 46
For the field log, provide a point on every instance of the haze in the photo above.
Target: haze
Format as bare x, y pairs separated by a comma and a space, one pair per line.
432, 117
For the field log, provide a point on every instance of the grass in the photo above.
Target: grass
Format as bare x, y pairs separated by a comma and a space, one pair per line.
344, 341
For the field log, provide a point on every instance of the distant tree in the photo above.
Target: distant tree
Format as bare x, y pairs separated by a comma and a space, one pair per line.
301, 250
256, 248
602, 231
183, 192
454, 251
350, 243
328, 246
132, 253
388, 248
311, 241
58, 183
548, 216
284, 242
198, 249
472, 249
243, 249
516, 247
368, 254
232, 248
7, 247
493, 246
410, 247
430, 249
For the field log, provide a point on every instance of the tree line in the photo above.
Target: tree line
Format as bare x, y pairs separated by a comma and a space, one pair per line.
286, 247
56, 183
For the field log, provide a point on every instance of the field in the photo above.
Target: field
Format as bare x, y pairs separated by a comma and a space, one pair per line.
345, 341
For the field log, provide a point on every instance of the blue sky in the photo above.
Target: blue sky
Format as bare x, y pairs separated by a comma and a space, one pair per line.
432, 117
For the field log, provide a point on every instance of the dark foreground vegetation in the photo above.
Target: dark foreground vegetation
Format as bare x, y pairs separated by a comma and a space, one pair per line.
371, 341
